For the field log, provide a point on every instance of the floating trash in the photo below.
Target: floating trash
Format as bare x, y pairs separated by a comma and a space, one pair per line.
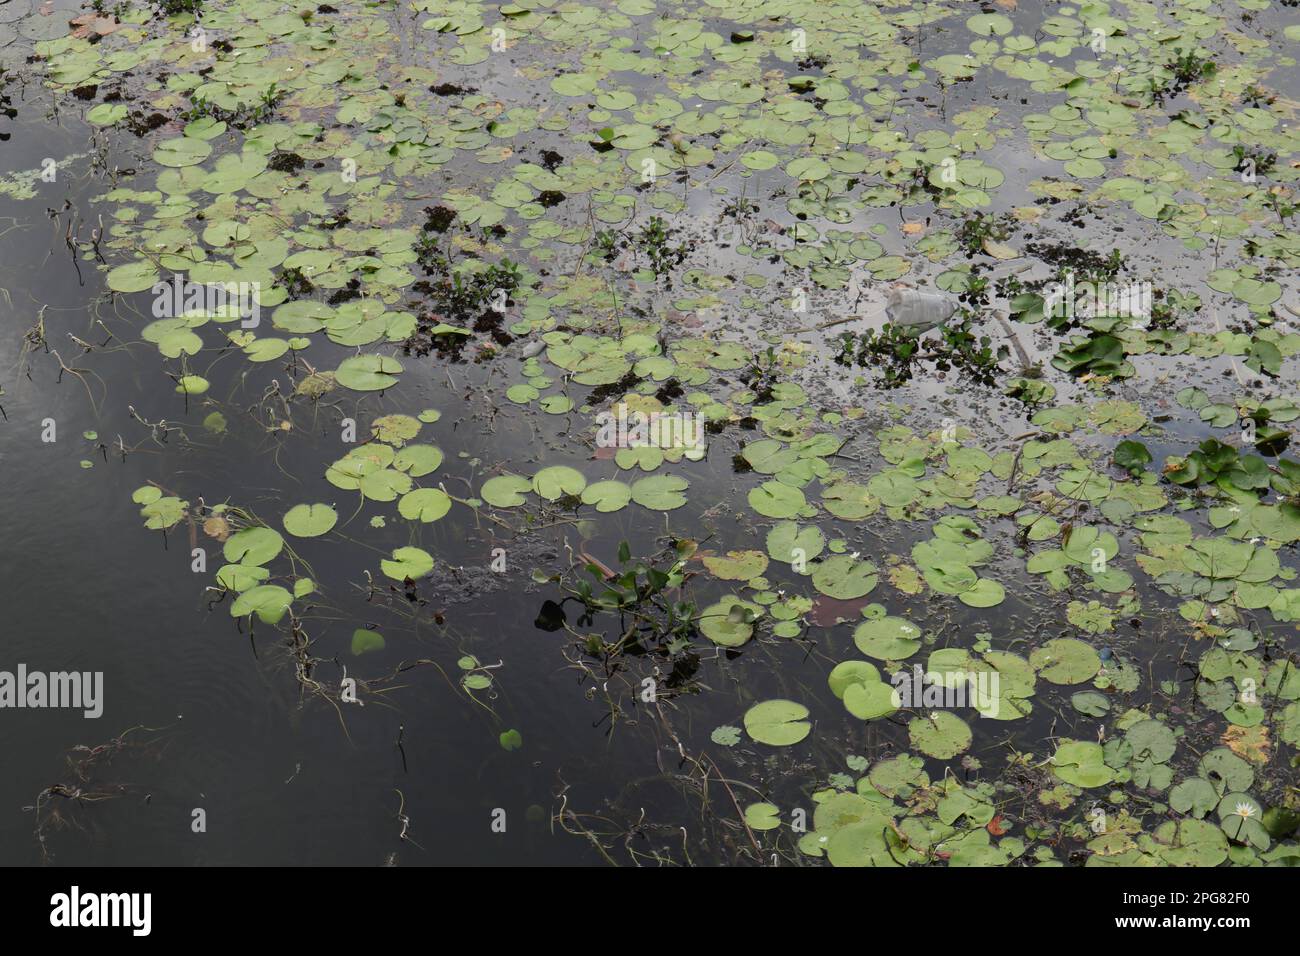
918, 310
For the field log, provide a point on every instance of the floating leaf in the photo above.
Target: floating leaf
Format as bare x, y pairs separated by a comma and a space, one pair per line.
725, 736
364, 641
776, 500
888, 638
762, 816
309, 521
182, 151
607, 496
395, 430
407, 562
729, 622
1065, 660
557, 481
1081, 763
789, 543
736, 565
844, 577
418, 460
424, 504
941, 734
133, 277
253, 545
505, 491
268, 601
660, 492
368, 373
777, 722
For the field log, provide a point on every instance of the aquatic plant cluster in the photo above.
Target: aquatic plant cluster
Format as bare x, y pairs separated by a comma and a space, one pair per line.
673, 211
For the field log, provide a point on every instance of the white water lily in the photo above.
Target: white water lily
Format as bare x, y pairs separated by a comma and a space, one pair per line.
1244, 810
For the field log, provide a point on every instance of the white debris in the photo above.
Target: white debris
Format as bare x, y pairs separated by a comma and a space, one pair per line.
919, 310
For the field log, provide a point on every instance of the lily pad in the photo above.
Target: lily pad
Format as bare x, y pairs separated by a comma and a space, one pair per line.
253, 545
406, 563
779, 723
888, 638
1065, 660
940, 734
844, 577
505, 491
776, 500
424, 504
729, 622
660, 492
368, 373
310, 521
365, 641
268, 601
736, 565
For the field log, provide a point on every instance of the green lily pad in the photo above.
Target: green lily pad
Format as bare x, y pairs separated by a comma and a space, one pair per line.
844, 577
660, 492
736, 565
983, 593
241, 577
365, 641
310, 521
505, 491
1081, 763
1065, 660
253, 546
182, 151
779, 723
763, 816
406, 563
418, 460
776, 500
133, 277
941, 734
424, 504
555, 482
789, 543
729, 622
368, 373
888, 638
268, 601
607, 496
1090, 702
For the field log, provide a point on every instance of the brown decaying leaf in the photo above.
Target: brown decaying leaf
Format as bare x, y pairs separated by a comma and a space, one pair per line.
92, 23
216, 527
1249, 743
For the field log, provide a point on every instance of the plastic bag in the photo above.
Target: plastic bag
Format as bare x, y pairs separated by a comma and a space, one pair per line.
918, 310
